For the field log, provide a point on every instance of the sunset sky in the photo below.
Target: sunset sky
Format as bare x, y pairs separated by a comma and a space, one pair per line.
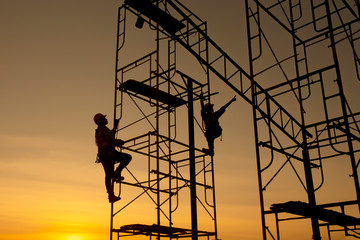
57, 61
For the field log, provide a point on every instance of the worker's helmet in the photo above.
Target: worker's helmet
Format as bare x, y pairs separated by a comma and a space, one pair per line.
99, 117
208, 106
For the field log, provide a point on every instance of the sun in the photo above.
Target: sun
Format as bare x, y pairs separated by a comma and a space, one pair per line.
74, 237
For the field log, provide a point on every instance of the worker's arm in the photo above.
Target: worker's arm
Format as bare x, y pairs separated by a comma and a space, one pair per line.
119, 142
116, 124
231, 101
221, 111
113, 131
201, 100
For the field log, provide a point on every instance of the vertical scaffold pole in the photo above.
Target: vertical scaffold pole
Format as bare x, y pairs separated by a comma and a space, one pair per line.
256, 131
194, 226
111, 221
343, 106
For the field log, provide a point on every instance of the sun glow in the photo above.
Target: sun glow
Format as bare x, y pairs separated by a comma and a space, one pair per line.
74, 237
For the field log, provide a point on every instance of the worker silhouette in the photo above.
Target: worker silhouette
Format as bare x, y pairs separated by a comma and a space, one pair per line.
211, 121
108, 156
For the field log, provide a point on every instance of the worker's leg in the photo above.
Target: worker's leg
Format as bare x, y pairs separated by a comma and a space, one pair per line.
108, 169
108, 165
211, 145
124, 159
210, 139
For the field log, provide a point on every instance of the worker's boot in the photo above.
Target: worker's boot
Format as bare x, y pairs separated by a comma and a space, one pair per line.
113, 198
117, 176
208, 151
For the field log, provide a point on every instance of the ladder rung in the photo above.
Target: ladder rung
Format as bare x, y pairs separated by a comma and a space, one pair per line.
331, 96
319, 5
255, 36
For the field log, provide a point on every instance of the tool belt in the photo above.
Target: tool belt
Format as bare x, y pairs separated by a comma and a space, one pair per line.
105, 156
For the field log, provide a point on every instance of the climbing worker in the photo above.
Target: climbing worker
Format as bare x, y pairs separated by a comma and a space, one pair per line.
108, 156
211, 121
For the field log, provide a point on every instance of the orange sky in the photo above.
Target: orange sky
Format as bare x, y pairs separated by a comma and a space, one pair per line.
57, 71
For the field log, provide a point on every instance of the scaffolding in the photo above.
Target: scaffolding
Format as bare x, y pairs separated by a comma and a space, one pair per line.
301, 117
319, 41
175, 165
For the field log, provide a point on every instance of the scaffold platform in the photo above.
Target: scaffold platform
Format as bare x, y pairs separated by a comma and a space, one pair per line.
306, 210
151, 92
155, 230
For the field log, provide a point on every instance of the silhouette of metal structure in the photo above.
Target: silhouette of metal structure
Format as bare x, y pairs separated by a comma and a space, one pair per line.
318, 128
174, 164
301, 117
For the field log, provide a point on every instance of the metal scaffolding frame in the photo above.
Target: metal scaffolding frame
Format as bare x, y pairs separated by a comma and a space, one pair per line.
158, 90
327, 128
302, 119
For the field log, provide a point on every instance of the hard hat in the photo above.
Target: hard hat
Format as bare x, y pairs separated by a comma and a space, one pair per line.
208, 105
99, 117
